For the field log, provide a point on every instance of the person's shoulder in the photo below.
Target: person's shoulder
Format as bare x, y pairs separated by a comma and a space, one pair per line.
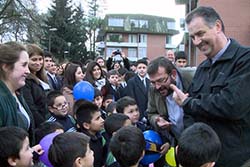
132, 78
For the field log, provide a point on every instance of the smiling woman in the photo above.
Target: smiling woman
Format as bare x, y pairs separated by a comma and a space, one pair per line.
13, 71
36, 84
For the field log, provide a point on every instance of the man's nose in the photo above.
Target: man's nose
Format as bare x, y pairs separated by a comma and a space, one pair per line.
157, 86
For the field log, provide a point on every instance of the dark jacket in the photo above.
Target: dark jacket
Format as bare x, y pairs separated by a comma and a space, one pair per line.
110, 66
137, 91
68, 122
98, 145
9, 113
35, 97
54, 85
219, 97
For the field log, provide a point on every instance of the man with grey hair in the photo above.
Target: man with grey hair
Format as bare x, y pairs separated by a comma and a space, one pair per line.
219, 93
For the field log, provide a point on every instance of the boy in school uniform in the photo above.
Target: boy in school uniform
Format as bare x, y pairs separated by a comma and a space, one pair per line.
113, 123
198, 146
113, 84
128, 146
90, 122
71, 149
15, 148
127, 105
138, 87
98, 99
59, 108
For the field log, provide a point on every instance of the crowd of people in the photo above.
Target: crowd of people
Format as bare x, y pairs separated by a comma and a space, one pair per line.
205, 117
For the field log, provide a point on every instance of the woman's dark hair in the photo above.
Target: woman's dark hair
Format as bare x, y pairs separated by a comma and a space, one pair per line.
89, 72
69, 79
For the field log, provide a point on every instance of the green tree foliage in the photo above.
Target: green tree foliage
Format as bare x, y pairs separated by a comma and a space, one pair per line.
18, 19
94, 23
65, 31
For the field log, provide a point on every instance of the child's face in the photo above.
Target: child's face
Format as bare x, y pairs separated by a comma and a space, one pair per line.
132, 112
60, 107
79, 75
141, 69
96, 123
25, 155
107, 102
98, 101
181, 62
88, 159
113, 79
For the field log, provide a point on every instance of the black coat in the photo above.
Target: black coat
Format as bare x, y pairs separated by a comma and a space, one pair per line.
35, 97
219, 97
137, 90
54, 85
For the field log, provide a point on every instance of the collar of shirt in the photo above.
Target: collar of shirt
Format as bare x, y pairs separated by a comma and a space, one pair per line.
220, 53
178, 82
52, 75
141, 77
114, 87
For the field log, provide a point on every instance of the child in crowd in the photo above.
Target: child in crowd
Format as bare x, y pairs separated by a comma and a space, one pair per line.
128, 146
41, 131
106, 101
113, 123
47, 128
90, 122
198, 146
15, 148
180, 59
98, 99
113, 86
111, 108
138, 87
59, 108
71, 149
127, 105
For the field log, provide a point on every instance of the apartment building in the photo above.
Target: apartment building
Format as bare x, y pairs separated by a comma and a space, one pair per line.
137, 35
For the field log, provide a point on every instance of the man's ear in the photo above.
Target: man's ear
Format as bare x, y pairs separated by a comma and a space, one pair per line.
174, 74
85, 125
12, 161
5, 68
78, 162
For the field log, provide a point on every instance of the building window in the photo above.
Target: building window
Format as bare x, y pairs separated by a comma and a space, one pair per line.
132, 53
168, 39
115, 22
143, 23
112, 37
171, 25
132, 38
142, 52
142, 38
134, 23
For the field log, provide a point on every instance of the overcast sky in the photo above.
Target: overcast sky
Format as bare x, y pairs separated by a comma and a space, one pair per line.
165, 8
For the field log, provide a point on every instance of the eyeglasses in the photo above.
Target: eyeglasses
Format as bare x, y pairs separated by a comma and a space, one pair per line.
160, 81
61, 106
